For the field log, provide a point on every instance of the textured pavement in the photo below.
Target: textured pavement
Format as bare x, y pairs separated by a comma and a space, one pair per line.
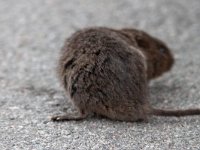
31, 35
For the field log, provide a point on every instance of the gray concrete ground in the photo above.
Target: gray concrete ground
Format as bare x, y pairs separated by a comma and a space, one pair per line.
31, 35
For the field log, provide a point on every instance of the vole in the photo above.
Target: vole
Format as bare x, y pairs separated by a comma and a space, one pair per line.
106, 72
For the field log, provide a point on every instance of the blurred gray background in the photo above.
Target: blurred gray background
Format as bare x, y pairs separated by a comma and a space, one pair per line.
31, 35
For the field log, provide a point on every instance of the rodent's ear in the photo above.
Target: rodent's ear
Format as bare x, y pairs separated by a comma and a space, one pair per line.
143, 43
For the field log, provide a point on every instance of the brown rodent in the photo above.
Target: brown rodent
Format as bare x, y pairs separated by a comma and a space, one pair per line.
106, 72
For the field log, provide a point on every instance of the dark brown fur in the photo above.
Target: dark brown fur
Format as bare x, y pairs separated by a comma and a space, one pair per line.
106, 71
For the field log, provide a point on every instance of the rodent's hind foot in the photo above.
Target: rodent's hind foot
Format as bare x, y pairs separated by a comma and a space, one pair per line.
68, 117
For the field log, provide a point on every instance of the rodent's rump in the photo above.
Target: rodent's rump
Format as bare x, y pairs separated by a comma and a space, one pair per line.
106, 71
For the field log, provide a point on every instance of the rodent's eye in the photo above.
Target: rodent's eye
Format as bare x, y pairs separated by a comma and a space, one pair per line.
143, 43
162, 50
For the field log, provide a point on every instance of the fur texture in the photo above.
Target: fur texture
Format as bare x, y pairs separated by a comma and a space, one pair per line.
106, 71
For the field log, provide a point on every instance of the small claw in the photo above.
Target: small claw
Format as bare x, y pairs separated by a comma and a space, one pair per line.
56, 118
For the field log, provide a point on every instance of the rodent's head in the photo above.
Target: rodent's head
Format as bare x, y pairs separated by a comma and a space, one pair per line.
158, 56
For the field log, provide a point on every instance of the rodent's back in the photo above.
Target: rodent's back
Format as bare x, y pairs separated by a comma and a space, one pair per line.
102, 73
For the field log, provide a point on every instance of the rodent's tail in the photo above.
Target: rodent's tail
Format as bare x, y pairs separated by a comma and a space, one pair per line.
176, 113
